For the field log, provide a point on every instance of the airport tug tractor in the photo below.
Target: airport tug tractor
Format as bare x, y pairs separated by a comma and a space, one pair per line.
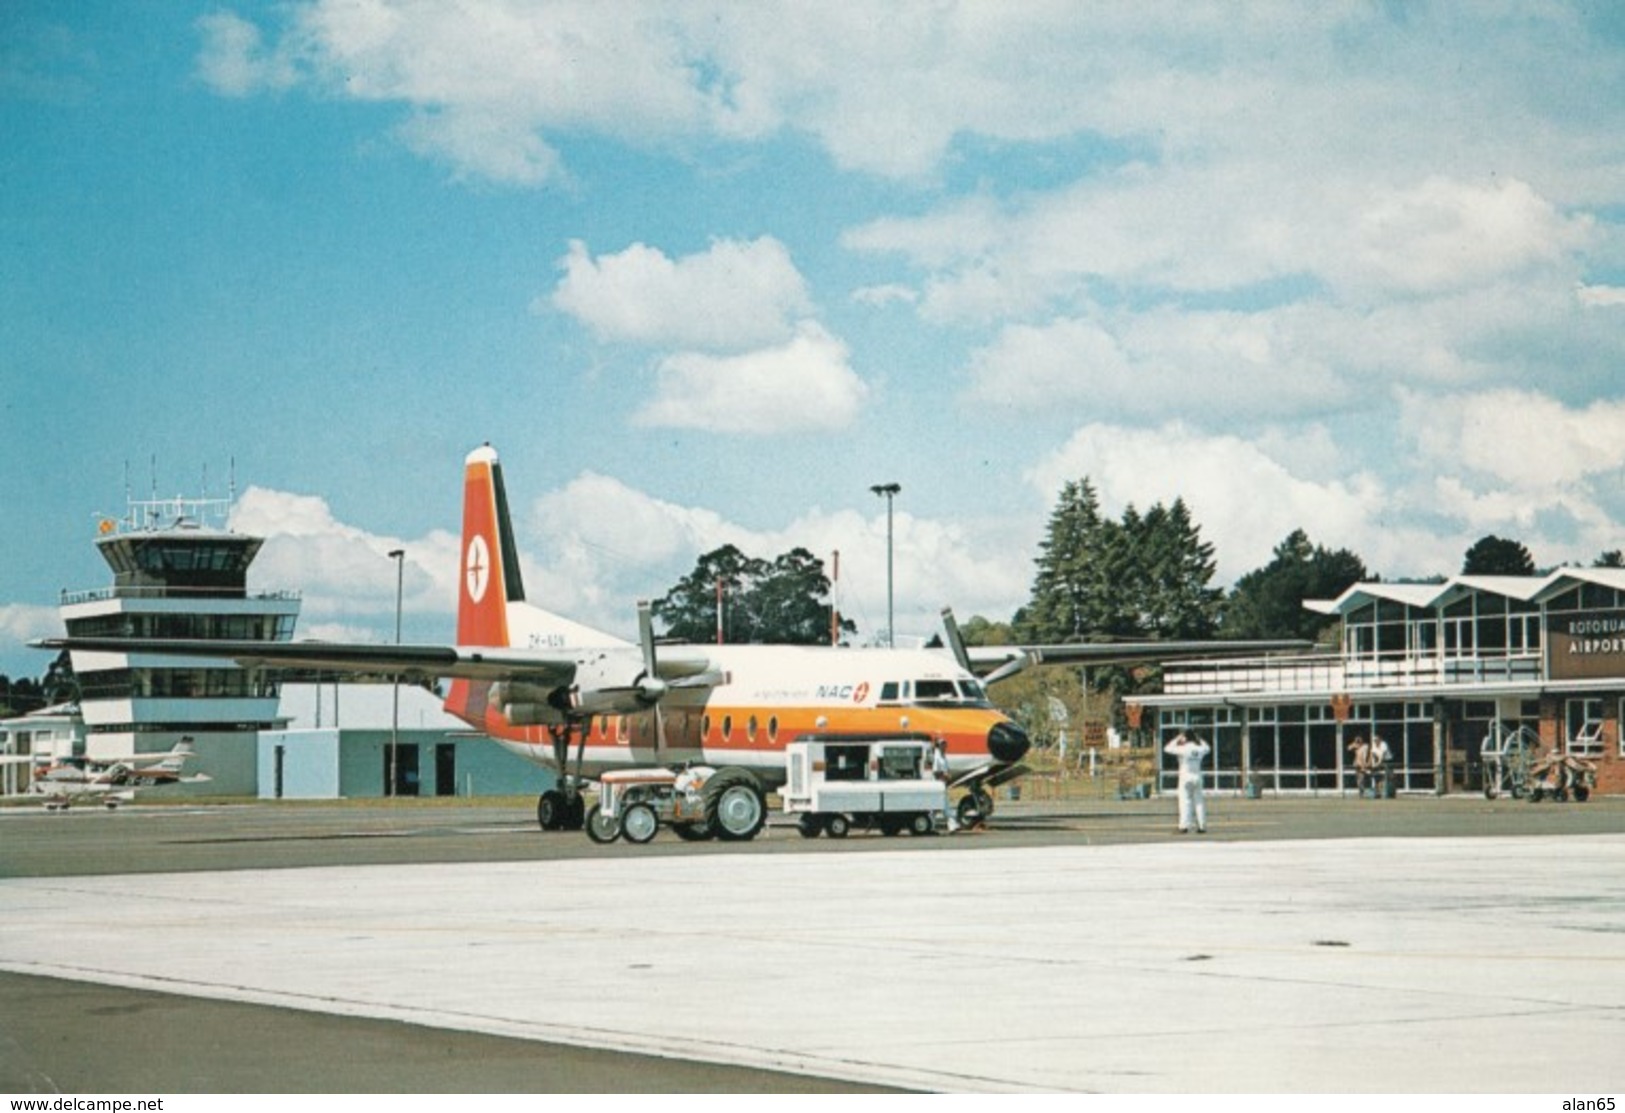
885, 783
697, 803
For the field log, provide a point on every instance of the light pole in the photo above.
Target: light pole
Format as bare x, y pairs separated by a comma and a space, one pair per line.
398, 556
888, 491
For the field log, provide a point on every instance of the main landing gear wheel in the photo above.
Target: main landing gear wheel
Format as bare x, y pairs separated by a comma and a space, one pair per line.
551, 809
735, 809
639, 823
600, 827
556, 811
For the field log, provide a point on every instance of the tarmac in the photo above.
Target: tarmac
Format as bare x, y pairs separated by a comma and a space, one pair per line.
1078, 949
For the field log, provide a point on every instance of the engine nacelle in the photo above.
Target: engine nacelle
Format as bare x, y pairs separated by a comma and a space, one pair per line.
604, 684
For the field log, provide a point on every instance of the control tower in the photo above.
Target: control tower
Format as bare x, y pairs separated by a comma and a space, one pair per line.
178, 572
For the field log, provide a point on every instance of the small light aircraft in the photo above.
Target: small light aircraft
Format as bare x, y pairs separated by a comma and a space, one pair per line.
583, 702
110, 781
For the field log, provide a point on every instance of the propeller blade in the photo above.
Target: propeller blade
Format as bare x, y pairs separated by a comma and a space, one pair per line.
646, 635
652, 687
956, 640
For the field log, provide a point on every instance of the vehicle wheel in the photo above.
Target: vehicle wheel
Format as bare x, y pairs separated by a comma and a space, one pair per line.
550, 810
691, 832
968, 813
922, 824
890, 825
639, 823
575, 812
1582, 793
600, 827
735, 809
1491, 790
837, 825
1535, 794
809, 826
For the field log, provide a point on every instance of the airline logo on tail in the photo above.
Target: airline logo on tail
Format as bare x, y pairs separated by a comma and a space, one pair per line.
477, 568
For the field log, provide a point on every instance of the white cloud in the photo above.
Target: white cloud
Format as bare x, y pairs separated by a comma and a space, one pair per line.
890, 293
1154, 363
233, 59
1244, 501
1444, 235
732, 297
341, 569
601, 544
805, 384
1598, 296
23, 622
1522, 439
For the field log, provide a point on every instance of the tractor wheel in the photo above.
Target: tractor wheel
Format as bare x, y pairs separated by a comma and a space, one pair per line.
735, 808
639, 823
600, 827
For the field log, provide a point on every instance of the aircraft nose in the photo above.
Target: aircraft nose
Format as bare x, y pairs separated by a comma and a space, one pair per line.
1007, 742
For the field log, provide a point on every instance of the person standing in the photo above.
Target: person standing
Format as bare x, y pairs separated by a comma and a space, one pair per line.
1190, 753
1380, 753
939, 770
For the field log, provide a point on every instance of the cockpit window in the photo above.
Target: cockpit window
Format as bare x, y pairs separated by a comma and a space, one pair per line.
940, 692
888, 692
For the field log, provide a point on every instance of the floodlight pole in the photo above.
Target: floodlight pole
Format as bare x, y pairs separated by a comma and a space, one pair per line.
888, 491
397, 555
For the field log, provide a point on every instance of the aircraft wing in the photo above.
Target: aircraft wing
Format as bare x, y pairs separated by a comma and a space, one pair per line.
996, 662
986, 658
550, 667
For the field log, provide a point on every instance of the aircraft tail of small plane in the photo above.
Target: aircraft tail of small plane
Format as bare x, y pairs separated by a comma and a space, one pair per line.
492, 609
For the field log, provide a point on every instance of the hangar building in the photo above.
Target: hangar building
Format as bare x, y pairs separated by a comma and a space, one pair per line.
335, 742
1434, 669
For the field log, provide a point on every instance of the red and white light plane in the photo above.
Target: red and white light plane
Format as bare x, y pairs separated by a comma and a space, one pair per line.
110, 781
583, 702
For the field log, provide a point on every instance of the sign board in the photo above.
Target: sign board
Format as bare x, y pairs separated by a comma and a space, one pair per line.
1586, 645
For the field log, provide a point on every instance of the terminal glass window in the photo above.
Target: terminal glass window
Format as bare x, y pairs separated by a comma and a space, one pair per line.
1584, 720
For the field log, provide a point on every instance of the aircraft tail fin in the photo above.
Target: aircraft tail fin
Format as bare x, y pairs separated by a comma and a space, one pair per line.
491, 578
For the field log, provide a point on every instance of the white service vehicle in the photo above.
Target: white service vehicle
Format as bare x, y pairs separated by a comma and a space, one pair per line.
888, 783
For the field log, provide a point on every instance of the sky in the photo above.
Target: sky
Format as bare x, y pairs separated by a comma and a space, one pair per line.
705, 273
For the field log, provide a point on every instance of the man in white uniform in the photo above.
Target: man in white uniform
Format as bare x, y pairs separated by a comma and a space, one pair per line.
1189, 752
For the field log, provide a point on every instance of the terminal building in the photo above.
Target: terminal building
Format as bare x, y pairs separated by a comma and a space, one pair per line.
1433, 669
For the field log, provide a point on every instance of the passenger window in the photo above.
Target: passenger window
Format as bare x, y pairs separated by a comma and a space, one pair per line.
727, 727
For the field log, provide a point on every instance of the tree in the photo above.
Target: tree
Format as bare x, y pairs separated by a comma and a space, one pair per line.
784, 602
1144, 576
1613, 558
1170, 568
1495, 556
1073, 591
1268, 602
